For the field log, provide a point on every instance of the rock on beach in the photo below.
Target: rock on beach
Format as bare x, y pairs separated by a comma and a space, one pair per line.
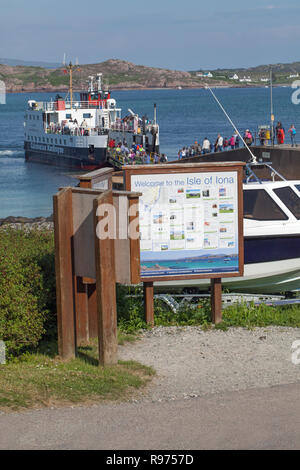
25, 223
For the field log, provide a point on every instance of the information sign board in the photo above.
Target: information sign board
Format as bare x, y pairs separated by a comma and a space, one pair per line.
190, 220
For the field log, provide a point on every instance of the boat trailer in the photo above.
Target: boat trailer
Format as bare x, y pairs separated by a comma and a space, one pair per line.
176, 301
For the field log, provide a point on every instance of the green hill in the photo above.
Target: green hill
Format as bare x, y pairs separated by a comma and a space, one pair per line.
119, 74
281, 73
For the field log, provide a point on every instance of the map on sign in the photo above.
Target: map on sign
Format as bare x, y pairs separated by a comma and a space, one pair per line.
188, 223
151, 197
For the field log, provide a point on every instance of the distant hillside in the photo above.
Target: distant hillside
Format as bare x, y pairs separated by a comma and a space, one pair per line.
30, 63
282, 73
119, 74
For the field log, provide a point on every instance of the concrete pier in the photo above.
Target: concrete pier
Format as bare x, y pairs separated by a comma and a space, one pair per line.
285, 159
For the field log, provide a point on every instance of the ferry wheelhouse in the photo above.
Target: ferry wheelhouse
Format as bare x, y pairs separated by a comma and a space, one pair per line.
76, 133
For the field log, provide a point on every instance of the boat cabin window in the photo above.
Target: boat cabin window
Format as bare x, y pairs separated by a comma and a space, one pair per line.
290, 199
258, 205
87, 115
297, 186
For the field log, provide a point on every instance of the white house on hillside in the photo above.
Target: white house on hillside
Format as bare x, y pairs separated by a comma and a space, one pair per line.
205, 74
234, 77
246, 79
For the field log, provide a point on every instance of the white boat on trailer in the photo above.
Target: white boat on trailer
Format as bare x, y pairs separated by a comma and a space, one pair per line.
271, 238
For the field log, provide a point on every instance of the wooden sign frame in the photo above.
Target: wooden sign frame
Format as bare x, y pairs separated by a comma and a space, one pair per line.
216, 287
97, 179
86, 308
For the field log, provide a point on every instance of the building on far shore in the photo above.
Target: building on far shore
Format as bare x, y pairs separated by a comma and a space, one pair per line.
246, 79
234, 77
205, 75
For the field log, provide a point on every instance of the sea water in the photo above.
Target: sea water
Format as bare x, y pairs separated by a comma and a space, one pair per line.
26, 189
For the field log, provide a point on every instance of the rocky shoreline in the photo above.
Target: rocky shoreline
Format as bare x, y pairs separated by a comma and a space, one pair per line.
25, 223
135, 87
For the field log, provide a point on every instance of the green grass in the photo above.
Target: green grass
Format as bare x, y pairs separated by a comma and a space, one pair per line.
251, 316
114, 79
131, 314
42, 379
55, 78
126, 337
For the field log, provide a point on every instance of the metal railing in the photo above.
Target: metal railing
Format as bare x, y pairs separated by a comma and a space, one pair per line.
121, 126
118, 159
65, 105
76, 131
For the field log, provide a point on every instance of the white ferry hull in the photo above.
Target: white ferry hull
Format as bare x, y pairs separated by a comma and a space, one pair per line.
82, 152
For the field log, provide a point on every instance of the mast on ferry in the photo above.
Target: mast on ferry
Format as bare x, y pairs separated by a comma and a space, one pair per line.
69, 69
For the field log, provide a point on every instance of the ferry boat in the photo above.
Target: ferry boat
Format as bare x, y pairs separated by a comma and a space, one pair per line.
77, 133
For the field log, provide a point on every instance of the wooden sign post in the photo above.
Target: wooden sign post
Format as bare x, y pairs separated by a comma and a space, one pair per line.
149, 303
88, 258
63, 233
106, 288
191, 225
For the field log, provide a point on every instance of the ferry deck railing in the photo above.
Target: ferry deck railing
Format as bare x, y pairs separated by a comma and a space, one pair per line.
67, 105
97, 130
76, 131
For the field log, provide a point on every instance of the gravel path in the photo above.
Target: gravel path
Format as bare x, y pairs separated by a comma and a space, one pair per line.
190, 362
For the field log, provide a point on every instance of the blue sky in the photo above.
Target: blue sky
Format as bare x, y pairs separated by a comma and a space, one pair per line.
183, 35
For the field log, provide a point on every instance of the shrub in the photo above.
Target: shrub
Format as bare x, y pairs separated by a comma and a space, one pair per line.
130, 308
131, 315
27, 288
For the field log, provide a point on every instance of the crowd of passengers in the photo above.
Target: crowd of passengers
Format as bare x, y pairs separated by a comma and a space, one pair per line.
136, 154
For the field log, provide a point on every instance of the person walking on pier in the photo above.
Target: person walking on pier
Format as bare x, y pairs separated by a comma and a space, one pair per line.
206, 146
280, 133
292, 132
248, 137
232, 142
197, 148
237, 141
219, 143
